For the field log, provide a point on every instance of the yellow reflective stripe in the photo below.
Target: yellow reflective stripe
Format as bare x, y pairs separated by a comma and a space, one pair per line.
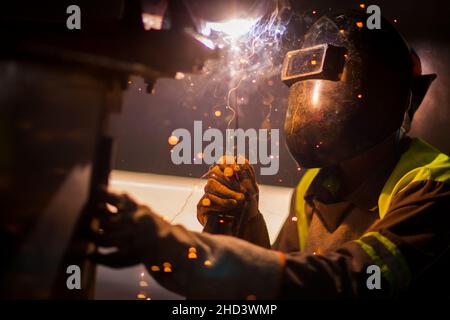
388, 257
420, 162
406, 272
378, 261
300, 205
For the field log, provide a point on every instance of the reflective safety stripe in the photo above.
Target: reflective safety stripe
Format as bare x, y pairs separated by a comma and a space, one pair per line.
399, 259
420, 162
377, 260
388, 257
300, 205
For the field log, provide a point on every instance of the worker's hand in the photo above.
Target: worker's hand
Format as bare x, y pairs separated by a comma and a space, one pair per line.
232, 190
127, 226
196, 265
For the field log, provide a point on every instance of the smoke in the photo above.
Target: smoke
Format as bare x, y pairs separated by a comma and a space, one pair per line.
251, 55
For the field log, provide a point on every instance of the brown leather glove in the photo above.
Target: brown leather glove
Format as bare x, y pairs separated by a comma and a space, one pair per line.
231, 193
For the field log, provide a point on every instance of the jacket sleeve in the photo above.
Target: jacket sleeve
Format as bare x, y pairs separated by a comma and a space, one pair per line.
410, 245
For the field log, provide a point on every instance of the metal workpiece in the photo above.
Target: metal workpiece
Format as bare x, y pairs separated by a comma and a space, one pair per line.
53, 124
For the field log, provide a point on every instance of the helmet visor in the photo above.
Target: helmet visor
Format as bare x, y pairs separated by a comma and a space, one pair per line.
323, 61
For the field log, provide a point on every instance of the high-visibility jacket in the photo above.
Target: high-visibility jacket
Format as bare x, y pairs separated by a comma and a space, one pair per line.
420, 162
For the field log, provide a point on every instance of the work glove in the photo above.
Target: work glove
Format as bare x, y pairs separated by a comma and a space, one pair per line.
231, 197
196, 265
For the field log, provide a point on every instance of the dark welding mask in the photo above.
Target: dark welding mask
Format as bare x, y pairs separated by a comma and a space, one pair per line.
350, 89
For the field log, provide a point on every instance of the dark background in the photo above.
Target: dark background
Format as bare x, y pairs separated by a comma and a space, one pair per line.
146, 121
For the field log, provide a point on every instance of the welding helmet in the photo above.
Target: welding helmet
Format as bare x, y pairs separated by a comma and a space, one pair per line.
350, 88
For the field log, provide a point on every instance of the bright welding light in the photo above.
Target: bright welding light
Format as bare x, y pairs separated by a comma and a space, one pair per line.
234, 28
152, 21
204, 40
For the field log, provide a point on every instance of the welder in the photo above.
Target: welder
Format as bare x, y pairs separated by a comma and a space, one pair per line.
369, 196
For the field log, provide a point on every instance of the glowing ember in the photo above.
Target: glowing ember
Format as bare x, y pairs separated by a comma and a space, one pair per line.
141, 295
217, 113
207, 263
155, 268
206, 202
362, 5
167, 267
179, 75
228, 172
359, 24
173, 140
192, 253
